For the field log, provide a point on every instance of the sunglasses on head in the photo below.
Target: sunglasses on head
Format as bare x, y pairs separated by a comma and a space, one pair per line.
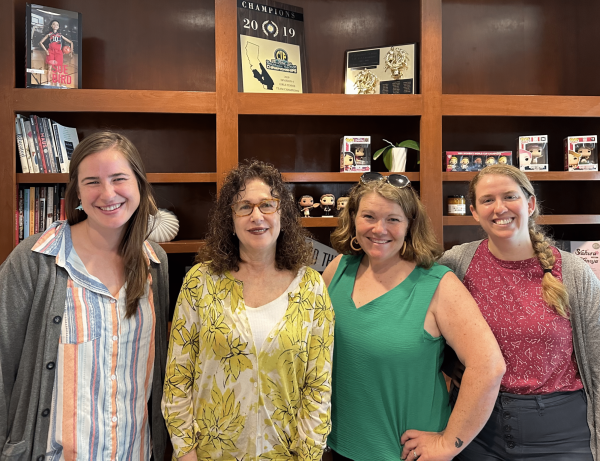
397, 180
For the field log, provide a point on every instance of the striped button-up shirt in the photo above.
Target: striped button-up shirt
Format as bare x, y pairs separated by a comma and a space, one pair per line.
104, 365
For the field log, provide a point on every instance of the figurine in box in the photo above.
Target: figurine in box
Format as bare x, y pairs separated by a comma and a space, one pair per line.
349, 161
584, 152
306, 203
477, 164
502, 160
490, 161
464, 164
537, 152
524, 159
453, 163
327, 202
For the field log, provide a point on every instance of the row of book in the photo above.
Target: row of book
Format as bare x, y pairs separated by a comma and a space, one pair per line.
38, 208
44, 145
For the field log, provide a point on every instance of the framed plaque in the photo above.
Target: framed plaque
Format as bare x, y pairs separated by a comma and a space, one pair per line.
386, 70
271, 50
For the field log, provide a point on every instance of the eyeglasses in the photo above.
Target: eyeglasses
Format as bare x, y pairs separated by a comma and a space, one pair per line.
397, 180
267, 206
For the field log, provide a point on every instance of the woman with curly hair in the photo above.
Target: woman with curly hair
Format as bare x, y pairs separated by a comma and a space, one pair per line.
395, 309
543, 306
248, 370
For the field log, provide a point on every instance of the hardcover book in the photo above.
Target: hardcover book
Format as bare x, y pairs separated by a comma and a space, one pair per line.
53, 43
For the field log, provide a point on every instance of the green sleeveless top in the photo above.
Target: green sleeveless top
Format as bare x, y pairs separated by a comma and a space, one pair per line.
386, 367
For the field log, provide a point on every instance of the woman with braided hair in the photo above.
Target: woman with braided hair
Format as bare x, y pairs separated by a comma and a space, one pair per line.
543, 306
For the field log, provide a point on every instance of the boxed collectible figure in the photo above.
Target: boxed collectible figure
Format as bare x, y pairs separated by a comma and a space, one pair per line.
589, 252
533, 153
581, 153
476, 160
355, 154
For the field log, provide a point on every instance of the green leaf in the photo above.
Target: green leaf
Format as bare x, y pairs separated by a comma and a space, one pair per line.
381, 151
387, 160
410, 144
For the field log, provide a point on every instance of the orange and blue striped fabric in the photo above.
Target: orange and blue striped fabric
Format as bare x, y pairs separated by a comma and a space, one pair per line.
104, 365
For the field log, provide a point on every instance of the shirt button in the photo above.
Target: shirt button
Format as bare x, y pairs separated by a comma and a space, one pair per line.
255, 384
115, 338
506, 415
57, 319
113, 377
46, 412
112, 301
50, 365
114, 419
511, 444
272, 336
507, 428
41, 458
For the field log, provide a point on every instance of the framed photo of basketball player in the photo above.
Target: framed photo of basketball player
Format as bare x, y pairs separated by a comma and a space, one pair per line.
271, 50
53, 42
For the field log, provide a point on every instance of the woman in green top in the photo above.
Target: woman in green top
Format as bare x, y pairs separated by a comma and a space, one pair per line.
395, 308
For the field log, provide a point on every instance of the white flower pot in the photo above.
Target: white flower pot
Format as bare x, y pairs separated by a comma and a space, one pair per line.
398, 159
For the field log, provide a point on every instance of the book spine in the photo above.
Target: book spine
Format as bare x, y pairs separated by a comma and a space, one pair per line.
21, 147
63, 211
35, 161
17, 216
42, 208
55, 208
49, 206
26, 213
25, 142
52, 145
62, 153
45, 143
38, 144
21, 215
36, 210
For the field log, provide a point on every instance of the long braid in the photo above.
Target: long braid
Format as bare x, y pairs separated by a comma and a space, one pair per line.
554, 292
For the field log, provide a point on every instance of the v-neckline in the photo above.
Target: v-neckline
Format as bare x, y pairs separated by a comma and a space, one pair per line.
408, 277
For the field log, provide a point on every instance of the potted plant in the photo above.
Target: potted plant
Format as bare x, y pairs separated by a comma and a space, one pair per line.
394, 156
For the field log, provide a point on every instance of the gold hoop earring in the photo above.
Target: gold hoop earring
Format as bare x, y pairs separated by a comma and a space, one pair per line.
352, 246
403, 249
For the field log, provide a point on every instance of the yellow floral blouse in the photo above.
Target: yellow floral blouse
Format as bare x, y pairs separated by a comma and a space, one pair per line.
229, 401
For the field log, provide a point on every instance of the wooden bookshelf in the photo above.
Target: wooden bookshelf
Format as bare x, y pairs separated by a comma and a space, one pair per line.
191, 124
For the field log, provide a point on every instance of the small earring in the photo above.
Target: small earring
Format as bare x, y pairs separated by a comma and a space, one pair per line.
233, 232
352, 244
403, 249
80, 208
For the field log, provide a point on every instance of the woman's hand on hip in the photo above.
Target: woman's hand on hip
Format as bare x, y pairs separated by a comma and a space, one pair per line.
426, 446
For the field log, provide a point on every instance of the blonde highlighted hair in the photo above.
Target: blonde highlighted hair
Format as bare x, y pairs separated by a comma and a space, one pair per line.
421, 243
554, 292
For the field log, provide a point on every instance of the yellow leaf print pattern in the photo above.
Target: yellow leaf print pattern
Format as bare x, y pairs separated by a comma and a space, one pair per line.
228, 401
219, 425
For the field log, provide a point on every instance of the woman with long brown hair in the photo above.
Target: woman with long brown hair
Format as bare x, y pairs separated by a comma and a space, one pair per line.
543, 306
83, 319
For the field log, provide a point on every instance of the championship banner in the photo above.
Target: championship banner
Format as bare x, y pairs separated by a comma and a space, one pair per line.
323, 255
271, 48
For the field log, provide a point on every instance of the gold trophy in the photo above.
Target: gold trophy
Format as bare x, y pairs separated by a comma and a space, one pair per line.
365, 82
396, 60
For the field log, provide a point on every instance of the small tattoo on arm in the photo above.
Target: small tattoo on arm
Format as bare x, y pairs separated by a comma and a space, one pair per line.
458, 443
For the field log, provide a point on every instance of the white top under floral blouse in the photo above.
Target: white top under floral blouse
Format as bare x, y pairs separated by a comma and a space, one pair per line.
228, 400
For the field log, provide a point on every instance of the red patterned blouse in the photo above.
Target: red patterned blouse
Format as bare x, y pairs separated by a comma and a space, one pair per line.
536, 342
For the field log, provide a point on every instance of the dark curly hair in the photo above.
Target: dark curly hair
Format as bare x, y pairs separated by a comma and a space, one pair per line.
222, 251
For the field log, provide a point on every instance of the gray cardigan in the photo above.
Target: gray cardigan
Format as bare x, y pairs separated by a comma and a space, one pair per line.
32, 302
584, 299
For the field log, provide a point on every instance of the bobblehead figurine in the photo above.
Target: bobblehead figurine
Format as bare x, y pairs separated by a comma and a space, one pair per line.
490, 161
584, 152
306, 203
536, 152
341, 204
453, 163
327, 201
464, 164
